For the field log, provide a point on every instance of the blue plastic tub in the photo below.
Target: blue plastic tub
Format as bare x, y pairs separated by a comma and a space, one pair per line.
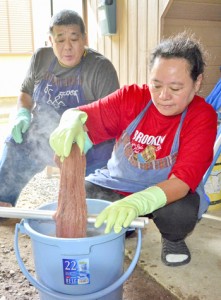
82, 269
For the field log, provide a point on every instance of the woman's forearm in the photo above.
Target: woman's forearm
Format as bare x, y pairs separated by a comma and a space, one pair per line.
174, 188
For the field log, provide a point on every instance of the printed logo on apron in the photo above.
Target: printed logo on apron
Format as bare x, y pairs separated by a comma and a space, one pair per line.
59, 93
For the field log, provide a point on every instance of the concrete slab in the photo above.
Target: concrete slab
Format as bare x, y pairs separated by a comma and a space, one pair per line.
201, 278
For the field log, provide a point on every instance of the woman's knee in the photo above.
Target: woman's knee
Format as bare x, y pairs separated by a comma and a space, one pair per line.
179, 217
98, 192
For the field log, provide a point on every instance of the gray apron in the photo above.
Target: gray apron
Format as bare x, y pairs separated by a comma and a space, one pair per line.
52, 97
129, 174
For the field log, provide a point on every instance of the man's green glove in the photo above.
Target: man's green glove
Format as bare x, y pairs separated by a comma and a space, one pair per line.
21, 124
70, 130
122, 212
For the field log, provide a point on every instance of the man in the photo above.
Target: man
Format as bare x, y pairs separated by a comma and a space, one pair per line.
65, 75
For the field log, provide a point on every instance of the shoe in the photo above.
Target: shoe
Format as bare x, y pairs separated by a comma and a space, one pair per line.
175, 254
5, 204
130, 233
2, 220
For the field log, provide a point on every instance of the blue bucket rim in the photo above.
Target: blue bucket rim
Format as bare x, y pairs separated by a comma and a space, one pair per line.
101, 238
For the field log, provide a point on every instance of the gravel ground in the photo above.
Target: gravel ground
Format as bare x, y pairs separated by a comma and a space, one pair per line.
13, 284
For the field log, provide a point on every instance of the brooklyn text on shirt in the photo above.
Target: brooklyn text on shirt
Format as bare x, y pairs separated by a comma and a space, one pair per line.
145, 139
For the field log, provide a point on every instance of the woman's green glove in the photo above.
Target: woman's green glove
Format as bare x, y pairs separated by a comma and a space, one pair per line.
122, 212
70, 130
21, 124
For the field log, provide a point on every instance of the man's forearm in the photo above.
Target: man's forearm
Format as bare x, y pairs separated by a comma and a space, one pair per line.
25, 101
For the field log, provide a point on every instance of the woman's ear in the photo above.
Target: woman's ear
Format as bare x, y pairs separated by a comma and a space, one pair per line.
198, 83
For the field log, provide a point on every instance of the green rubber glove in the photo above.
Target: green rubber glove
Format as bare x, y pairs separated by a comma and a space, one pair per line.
87, 143
70, 130
21, 124
122, 212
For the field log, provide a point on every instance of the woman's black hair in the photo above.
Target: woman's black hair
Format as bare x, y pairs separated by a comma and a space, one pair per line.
183, 45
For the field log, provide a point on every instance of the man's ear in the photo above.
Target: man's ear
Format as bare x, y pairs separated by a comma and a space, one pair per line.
86, 39
51, 40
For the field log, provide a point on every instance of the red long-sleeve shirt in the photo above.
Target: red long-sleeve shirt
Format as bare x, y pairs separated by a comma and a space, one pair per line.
110, 116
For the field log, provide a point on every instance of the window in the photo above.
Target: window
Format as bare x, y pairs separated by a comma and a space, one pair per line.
16, 30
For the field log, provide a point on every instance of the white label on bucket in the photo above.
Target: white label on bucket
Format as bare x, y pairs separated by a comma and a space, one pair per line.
76, 271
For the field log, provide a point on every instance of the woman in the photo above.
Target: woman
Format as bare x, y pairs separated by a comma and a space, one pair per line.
165, 135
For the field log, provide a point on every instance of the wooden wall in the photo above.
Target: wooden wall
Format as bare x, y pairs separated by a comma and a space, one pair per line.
128, 49
141, 24
204, 20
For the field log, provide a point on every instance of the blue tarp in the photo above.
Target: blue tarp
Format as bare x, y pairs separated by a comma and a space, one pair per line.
214, 98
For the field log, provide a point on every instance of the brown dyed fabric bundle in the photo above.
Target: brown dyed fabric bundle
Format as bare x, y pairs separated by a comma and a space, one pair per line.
71, 214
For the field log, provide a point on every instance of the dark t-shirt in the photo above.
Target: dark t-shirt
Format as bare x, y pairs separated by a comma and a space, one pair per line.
98, 75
